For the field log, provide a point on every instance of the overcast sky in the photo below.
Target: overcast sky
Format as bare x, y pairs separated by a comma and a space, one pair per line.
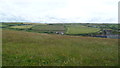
59, 11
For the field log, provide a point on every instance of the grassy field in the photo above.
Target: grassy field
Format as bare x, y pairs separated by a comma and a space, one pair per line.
2, 25
79, 29
22, 27
37, 49
52, 28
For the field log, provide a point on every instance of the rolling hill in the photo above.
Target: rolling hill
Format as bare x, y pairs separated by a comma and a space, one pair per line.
22, 48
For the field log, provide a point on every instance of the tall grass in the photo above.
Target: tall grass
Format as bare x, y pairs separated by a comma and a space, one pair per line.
36, 49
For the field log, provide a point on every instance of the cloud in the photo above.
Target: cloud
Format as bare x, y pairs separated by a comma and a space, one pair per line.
59, 11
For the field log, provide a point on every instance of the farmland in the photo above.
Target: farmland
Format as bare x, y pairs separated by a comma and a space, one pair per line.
79, 29
22, 27
2, 26
22, 48
42, 28
48, 28
69, 29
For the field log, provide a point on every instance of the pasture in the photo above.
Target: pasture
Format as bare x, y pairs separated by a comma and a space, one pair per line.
22, 48
2, 25
22, 27
48, 28
80, 29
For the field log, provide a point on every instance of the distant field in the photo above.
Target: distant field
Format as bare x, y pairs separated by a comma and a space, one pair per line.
2, 25
22, 26
50, 28
36, 49
71, 29
79, 29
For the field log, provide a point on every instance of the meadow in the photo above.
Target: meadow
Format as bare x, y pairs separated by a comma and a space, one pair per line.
22, 27
21, 48
2, 26
48, 28
80, 29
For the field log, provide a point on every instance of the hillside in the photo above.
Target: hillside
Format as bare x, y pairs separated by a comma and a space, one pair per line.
39, 49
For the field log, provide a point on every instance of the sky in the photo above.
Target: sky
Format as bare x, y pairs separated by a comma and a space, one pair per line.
59, 11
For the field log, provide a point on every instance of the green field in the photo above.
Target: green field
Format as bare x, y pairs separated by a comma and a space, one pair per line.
22, 48
22, 27
2, 25
79, 29
51, 28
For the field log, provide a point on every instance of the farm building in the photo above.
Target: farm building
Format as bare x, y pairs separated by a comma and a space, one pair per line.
107, 32
59, 33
